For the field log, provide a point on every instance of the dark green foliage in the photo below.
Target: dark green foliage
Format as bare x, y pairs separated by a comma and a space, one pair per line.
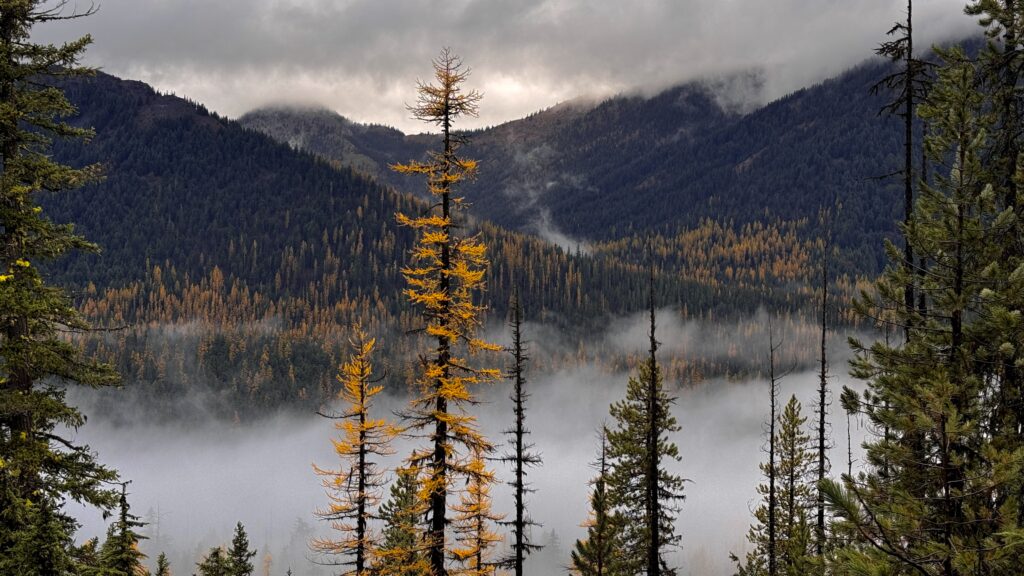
795, 503
399, 552
120, 554
939, 495
601, 552
163, 567
239, 555
642, 491
216, 563
40, 468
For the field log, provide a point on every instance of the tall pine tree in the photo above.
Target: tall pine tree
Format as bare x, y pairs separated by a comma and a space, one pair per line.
937, 497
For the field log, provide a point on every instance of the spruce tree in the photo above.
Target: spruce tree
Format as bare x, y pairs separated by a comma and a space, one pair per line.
643, 492
163, 567
216, 563
600, 553
354, 489
521, 454
40, 465
239, 555
795, 546
400, 550
120, 554
445, 273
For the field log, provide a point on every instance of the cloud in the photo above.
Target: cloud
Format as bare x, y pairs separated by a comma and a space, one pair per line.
363, 57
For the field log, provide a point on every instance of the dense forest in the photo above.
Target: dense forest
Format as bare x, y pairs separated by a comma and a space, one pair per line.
382, 289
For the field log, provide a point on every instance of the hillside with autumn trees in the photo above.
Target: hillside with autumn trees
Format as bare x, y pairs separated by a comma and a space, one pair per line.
244, 287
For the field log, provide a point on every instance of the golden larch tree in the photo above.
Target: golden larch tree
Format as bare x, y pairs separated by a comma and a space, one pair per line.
354, 489
474, 522
444, 273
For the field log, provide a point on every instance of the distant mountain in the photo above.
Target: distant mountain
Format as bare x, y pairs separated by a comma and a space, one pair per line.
233, 264
633, 165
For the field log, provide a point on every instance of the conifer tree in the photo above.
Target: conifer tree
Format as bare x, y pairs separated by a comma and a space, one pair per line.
825, 244
216, 563
239, 555
937, 497
354, 488
521, 454
400, 550
642, 491
473, 522
1001, 63
445, 273
795, 545
163, 567
763, 535
120, 555
600, 553
910, 84
40, 465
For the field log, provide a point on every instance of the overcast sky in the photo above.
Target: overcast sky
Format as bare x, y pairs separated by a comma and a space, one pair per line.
363, 57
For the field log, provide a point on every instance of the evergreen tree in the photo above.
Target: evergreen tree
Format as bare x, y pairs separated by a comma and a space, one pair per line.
239, 555
120, 555
40, 467
938, 496
163, 567
763, 535
216, 563
399, 552
521, 455
795, 545
794, 548
1001, 65
600, 553
910, 84
354, 490
445, 273
642, 491
473, 521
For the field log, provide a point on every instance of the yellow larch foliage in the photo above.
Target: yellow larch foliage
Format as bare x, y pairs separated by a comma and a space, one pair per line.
445, 273
354, 489
474, 522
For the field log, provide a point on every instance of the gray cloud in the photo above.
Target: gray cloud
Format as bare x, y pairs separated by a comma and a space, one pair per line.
362, 57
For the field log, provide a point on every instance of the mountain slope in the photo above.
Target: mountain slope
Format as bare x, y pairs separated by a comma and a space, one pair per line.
635, 165
236, 264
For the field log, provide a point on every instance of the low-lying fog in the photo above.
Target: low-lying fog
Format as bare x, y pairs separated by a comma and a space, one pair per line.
193, 484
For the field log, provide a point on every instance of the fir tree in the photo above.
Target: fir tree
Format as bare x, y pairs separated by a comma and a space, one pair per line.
642, 491
354, 490
445, 272
795, 545
600, 553
216, 563
120, 555
521, 456
163, 567
239, 555
399, 552
40, 467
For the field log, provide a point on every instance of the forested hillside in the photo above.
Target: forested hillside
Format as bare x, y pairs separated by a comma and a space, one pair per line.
232, 263
633, 165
